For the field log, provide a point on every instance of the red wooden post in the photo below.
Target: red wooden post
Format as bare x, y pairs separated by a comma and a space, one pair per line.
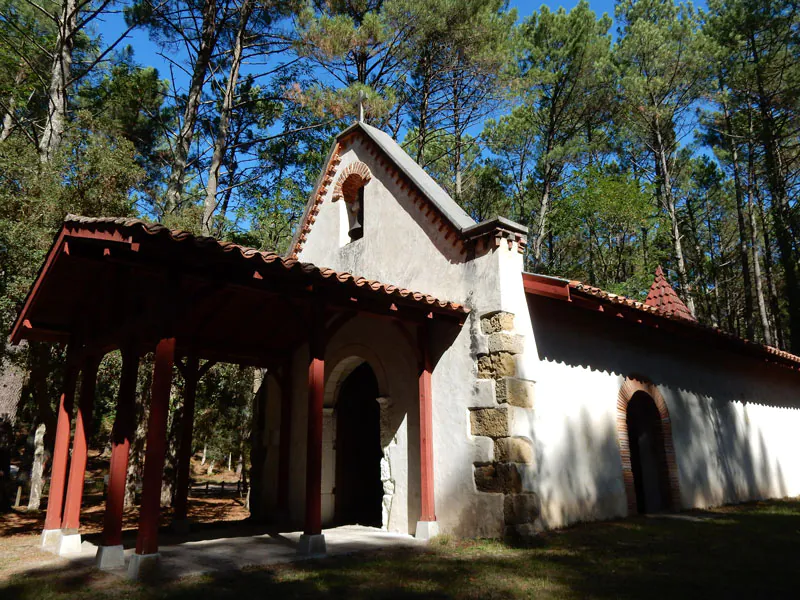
185, 448
120, 445
58, 472
150, 509
285, 441
428, 513
312, 542
77, 468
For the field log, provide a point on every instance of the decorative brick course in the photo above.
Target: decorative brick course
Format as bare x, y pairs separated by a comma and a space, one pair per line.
630, 387
354, 176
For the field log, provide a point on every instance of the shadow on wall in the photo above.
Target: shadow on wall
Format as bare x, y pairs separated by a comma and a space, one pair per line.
578, 481
713, 395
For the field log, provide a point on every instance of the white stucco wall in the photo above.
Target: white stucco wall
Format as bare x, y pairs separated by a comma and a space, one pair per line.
733, 421
732, 417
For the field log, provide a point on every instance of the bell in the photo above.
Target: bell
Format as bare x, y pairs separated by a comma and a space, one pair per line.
355, 230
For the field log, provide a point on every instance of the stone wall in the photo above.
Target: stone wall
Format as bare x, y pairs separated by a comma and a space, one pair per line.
504, 463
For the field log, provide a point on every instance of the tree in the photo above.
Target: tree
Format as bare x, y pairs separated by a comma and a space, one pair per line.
564, 90
663, 58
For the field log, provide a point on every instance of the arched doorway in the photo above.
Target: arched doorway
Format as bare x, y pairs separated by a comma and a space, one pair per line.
648, 461
359, 490
649, 468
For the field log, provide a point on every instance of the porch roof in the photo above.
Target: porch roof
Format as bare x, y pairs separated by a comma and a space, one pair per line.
112, 281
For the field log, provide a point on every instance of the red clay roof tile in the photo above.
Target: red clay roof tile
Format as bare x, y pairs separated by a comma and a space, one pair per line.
663, 296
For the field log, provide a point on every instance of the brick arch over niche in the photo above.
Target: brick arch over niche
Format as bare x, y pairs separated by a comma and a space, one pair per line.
354, 176
630, 387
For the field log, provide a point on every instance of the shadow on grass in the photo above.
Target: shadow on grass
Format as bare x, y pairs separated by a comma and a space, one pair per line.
735, 552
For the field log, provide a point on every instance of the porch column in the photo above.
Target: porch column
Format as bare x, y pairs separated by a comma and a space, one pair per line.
110, 552
70, 541
146, 556
180, 505
285, 442
58, 471
312, 541
427, 527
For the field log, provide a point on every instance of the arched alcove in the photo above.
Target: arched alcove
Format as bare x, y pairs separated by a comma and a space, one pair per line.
645, 436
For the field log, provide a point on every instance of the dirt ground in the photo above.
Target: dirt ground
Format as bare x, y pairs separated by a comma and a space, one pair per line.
20, 529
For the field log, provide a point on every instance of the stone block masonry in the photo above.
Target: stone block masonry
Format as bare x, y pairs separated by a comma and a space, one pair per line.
506, 468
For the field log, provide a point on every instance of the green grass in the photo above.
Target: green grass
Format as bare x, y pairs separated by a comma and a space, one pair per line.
749, 551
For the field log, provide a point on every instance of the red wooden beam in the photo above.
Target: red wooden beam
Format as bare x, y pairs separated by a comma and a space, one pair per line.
77, 467
316, 382
121, 436
546, 286
428, 512
147, 539
58, 476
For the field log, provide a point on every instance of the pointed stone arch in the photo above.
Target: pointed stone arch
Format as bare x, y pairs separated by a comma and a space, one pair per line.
354, 176
631, 386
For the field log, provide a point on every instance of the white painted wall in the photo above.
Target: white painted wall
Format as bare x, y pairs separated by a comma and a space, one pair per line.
734, 427
732, 418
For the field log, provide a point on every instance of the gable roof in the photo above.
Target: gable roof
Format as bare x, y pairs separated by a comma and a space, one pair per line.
592, 298
663, 296
424, 182
431, 192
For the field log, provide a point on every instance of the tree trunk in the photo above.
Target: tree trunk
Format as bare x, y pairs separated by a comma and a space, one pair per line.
669, 204
208, 39
769, 261
753, 245
59, 80
781, 209
742, 246
136, 456
221, 141
541, 222
37, 472
8, 117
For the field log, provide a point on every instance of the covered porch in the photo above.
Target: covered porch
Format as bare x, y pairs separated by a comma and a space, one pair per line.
122, 284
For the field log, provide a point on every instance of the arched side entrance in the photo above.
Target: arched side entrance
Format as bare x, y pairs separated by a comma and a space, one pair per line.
644, 429
358, 487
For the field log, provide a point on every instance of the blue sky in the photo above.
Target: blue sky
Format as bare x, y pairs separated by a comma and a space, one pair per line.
146, 51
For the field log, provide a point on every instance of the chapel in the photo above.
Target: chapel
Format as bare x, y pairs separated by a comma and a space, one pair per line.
418, 379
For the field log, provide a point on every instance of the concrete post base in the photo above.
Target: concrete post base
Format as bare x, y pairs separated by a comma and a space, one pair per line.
312, 544
426, 530
110, 557
70, 543
143, 566
50, 539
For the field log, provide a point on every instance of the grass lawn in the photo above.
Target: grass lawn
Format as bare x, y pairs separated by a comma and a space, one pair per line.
747, 551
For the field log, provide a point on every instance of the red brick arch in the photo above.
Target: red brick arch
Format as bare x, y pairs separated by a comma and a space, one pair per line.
629, 388
354, 176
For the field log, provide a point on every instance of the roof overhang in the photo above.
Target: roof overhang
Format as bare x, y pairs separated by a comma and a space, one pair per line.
608, 305
105, 280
